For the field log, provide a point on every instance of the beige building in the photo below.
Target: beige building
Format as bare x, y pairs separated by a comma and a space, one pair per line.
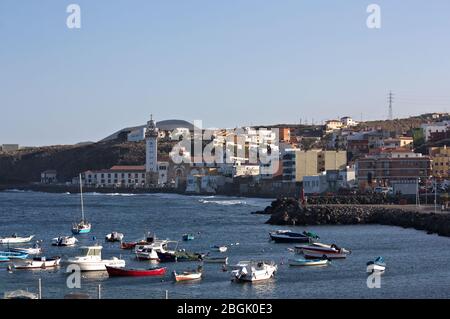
440, 157
298, 163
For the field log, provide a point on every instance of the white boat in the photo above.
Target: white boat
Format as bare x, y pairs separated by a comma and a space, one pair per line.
308, 262
39, 262
14, 239
322, 251
64, 241
35, 250
91, 260
254, 271
83, 226
221, 249
114, 236
377, 265
150, 251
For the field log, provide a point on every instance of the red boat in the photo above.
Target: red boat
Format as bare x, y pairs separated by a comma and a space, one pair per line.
116, 272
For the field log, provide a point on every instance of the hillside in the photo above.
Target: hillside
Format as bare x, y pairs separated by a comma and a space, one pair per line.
26, 165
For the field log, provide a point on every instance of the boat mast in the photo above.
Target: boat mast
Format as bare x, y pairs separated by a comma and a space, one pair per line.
81, 197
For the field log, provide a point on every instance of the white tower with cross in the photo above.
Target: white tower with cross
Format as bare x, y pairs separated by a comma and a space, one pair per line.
151, 150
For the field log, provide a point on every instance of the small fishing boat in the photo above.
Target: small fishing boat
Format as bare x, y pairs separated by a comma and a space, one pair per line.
149, 239
114, 237
221, 249
91, 260
178, 256
83, 226
188, 275
12, 255
64, 241
121, 272
308, 262
35, 250
20, 294
287, 236
39, 262
187, 237
215, 259
14, 239
377, 265
322, 251
254, 271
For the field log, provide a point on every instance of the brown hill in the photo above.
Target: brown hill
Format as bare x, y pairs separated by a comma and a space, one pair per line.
26, 165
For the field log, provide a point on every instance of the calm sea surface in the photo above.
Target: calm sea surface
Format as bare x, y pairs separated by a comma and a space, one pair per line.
418, 264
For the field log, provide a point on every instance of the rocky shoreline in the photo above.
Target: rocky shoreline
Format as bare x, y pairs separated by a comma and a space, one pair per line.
288, 211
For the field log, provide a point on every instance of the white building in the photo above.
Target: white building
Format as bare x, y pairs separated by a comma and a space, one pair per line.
347, 121
116, 176
136, 135
438, 127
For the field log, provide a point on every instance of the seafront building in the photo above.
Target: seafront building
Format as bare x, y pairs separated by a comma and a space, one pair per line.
298, 163
387, 166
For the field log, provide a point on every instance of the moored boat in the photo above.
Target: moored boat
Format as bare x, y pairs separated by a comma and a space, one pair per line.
215, 259
187, 237
188, 275
64, 241
254, 271
14, 239
322, 251
91, 260
377, 265
12, 255
121, 272
178, 256
35, 250
39, 262
114, 237
308, 262
218, 248
83, 226
287, 236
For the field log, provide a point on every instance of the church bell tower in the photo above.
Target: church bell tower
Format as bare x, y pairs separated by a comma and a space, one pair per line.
151, 153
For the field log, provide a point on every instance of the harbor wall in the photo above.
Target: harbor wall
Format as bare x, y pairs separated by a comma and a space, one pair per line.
288, 211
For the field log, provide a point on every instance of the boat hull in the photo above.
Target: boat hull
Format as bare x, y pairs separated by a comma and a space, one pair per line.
283, 239
15, 240
214, 260
40, 264
311, 254
118, 272
305, 262
187, 276
98, 265
77, 231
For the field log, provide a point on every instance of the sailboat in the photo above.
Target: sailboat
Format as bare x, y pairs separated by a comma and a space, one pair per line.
83, 226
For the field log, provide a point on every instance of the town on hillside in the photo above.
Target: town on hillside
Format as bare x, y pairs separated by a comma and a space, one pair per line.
403, 157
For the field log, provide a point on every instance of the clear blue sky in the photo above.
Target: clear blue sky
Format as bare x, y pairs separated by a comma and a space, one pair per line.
225, 62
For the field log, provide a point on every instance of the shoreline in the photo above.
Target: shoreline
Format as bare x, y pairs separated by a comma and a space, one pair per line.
62, 189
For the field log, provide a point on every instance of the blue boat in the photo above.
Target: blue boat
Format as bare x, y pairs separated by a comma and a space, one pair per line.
12, 255
187, 237
376, 265
4, 259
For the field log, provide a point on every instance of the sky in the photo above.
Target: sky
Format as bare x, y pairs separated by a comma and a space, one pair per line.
226, 62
